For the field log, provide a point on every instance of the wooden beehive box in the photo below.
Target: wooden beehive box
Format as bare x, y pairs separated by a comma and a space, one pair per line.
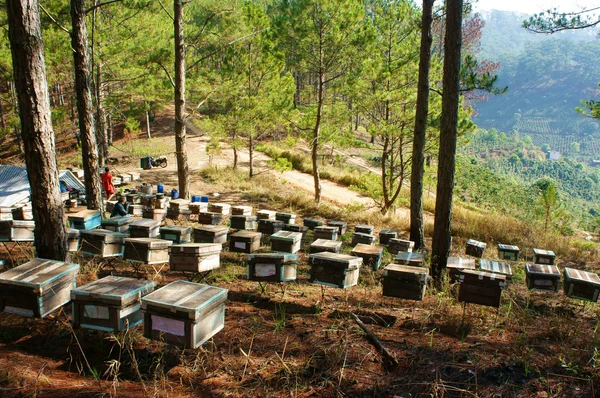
125, 178
220, 208
581, 285
148, 200
244, 241
209, 218
312, 223
198, 207
16, 231
370, 254
72, 240
100, 242
475, 248
496, 267
296, 228
334, 269
85, 219
479, 287
404, 281
241, 210
195, 257
341, 225
386, 234
185, 215
161, 202
326, 232
146, 250
266, 215
184, 313
542, 277
286, 242
541, 256
269, 227
410, 258
22, 213
179, 204
364, 229
359, 237
508, 252
455, 265
396, 245
136, 210
134, 198
144, 228
325, 245
243, 222
111, 304
272, 267
134, 175
287, 218
117, 224
109, 205
176, 233
37, 287
155, 214
5, 214
211, 234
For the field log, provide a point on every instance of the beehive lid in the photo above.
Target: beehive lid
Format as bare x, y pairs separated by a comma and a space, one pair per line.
408, 243
326, 243
210, 213
38, 274
326, 228
115, 290
337, 223
117, 220
542, 270
242, 217
508, 247
410, 257
496, 267
388, 232
196, 248
543, 252
473, 242
287, 236
180, 202
72, 233
269, 257
582, 276
145, 223
243, 208
84, 215
103, 234
19, 223
246, 235
223, 206
406, 271
156, 211
488, 278
186, 297
150, 243
286, 215
212, 228
363, 235
176, 228
336, 259
266, 221
267, 212
460, 263
373, 250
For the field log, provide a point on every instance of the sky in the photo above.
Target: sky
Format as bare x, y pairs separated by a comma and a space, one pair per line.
535, 6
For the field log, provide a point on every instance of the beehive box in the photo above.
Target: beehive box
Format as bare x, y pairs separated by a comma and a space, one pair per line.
404, 281
134, 175
312, 223
5, 214
85, 219
479, 287
269, 227
111, 304
117, 224
286, 218
541, 256
243, 222
22, 213
211, 234
185, 215
475, 248
410, 258
508, 252
37, 287
244, 242
195, 257
396, 245
100, 242
334, 269
266, 215
542, 277
325, 245
144, 228
341, 226
134, 198
198, 207
109, 205
359, 237
496, 267
16, 231
326, 232
286, 241
146, 250
220, 208
296, 228
179, 204
72, 240
147, 200
370, 254
136, 210
241, 210
581, 285
176, 233
455, 265
272, 267
183, 313
155, 214
125, 178
209, 218
161, 202
364, 229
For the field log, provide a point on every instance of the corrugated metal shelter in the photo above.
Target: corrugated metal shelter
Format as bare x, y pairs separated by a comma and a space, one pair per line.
14, 184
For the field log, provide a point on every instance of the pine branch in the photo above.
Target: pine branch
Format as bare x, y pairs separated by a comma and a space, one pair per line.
55, 21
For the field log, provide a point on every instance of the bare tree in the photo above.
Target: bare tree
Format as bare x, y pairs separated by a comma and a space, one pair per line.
183, 173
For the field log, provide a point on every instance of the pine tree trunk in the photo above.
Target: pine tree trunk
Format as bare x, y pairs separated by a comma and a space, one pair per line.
85, 111
27, 49
417, 234
180, 133
148, 132
448, 134
316, 137
101, 133
251, 154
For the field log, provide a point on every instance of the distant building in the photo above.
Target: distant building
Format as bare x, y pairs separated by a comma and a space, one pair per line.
552, 155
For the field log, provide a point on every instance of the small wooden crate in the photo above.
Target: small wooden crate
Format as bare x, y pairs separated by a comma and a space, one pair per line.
155, 214
272, 267
184, 313
581, 285
396, 245
312, 223
195, 257
211, 234
370, 254
198, 207
359, 237
266, 215
455, 265
386, 234
146, 250
287, 218
22, 213
541, 256
5, 214
364, 229
241, 210
179, 204
85, 219
72, 240
144, 228
496, 267
326, 232
296, 228
479, 287
341, 225
243, 222
136, 210
334, 269
209, 218
542, 277
117, 224
111, 304
404, 281
410, 258
179, 214
286, 242
475, 248
103, 243
37, 287
16, 231
220, 208
269, 227
161, 202
508, 252
125, 178
176, 233
325, 245
244, 242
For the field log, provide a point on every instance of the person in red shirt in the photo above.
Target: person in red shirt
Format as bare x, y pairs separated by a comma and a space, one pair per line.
107, 183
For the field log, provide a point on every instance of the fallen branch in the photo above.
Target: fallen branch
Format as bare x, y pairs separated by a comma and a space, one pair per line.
376, 342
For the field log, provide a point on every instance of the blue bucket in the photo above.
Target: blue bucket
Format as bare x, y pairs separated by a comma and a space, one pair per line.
174, 194
160, 188
195, 199
204, 199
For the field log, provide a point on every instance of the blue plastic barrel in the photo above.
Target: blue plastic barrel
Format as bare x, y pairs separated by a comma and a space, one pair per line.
204, 199
174, 194
160, 188
195, 198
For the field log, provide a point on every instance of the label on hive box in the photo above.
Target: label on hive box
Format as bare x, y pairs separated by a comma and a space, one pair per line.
96, 312
239, 245
264, 270
543, 260
542, 283
166, 325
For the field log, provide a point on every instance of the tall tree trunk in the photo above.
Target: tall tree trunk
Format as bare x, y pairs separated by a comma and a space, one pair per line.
29, 70
235, 151
180, 133
148, 132
316, 137
251, 154
83, 89
101, 133
448, 134
417, 234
